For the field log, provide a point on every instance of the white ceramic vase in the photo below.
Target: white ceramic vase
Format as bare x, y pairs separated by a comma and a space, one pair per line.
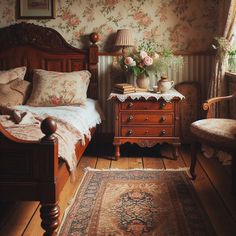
142, 81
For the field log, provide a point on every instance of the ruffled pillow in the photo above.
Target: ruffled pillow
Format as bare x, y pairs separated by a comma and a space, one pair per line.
52, 88
8, 75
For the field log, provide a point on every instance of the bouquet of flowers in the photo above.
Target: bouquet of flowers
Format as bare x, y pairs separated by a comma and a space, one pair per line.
150, 58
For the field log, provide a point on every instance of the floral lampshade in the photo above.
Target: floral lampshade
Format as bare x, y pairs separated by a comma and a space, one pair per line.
124, 38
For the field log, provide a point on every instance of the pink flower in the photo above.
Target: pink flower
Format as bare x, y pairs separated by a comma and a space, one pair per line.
145, 21
74, 21
55, 100
148, 61
111, 2
138, 15
66, 16
143, 54
128, 61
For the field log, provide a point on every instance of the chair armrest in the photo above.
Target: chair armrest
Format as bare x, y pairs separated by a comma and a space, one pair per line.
208, 105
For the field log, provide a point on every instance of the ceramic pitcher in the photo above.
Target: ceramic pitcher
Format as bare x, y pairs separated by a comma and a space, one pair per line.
163, 85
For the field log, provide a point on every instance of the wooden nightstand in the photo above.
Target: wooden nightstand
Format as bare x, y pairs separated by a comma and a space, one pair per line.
147, 122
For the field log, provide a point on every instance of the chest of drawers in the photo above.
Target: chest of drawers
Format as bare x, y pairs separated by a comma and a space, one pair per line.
146, 123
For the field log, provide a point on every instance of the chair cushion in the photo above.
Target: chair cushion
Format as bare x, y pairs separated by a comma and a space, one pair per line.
216, 130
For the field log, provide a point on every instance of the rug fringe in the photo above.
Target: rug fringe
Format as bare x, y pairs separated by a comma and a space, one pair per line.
146, 169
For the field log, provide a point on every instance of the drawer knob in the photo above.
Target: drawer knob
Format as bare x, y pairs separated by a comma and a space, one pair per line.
129, 132
130, 104
130, 118
163, 132
146, 119
146, 132
163, 118
162, 104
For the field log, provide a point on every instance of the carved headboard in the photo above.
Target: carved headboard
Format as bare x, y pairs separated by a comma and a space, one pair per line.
38, 47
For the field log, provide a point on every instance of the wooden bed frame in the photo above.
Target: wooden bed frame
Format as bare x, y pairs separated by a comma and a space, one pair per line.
31, 171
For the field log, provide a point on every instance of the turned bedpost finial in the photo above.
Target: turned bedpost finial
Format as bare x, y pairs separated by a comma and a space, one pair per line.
48, 127
94, 37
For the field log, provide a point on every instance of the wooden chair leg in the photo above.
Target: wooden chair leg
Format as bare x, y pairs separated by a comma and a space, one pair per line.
194, 146
49, 213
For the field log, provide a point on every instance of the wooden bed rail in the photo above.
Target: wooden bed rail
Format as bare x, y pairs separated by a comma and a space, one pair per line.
26, 153
38, 176
30, 170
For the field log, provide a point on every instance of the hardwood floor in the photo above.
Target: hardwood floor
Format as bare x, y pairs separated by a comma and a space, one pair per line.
212, 186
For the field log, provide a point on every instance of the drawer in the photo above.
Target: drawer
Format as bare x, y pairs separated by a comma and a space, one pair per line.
145, 105
133, 118
135, 131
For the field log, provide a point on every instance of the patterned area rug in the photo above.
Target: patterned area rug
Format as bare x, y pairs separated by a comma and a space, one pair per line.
136, 202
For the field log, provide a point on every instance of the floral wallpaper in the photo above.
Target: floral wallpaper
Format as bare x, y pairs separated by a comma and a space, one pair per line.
188, 25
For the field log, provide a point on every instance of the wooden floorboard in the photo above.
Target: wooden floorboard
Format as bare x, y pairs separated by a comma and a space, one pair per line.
214, 206
135, 163
221, 182
153, 163
168, 161
212, 186
103, 163
19, 218
122, 163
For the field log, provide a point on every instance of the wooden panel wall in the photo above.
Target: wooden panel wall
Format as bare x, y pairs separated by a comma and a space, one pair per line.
196, 68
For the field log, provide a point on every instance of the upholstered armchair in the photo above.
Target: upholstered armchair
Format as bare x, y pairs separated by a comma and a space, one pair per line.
218, 133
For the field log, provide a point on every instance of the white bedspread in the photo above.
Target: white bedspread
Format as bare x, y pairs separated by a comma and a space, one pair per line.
82, 117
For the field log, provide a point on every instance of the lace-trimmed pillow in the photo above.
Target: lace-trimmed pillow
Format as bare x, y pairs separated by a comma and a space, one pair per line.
8, 75
52, 88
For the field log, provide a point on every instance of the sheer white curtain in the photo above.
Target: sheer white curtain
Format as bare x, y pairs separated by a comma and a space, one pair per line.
226, 28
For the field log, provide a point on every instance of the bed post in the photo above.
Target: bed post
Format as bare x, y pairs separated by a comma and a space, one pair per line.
93, 65
49, 214
50, 211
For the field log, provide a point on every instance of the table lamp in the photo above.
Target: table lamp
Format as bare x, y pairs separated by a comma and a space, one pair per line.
124, 38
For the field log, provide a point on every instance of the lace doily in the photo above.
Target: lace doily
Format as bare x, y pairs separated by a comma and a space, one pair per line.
167, 96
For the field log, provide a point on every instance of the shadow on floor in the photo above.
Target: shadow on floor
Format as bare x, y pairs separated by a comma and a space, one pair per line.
128, 150
5, 212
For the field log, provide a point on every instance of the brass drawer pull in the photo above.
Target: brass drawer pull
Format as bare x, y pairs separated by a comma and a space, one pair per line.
146, 119
162, 119
163, 132
162, 104
130, 104
146, 132
130, 132
130, 118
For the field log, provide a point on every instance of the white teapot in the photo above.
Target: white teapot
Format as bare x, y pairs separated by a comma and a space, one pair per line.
163, 85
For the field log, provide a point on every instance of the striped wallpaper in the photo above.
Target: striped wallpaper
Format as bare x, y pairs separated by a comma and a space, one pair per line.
196, 68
